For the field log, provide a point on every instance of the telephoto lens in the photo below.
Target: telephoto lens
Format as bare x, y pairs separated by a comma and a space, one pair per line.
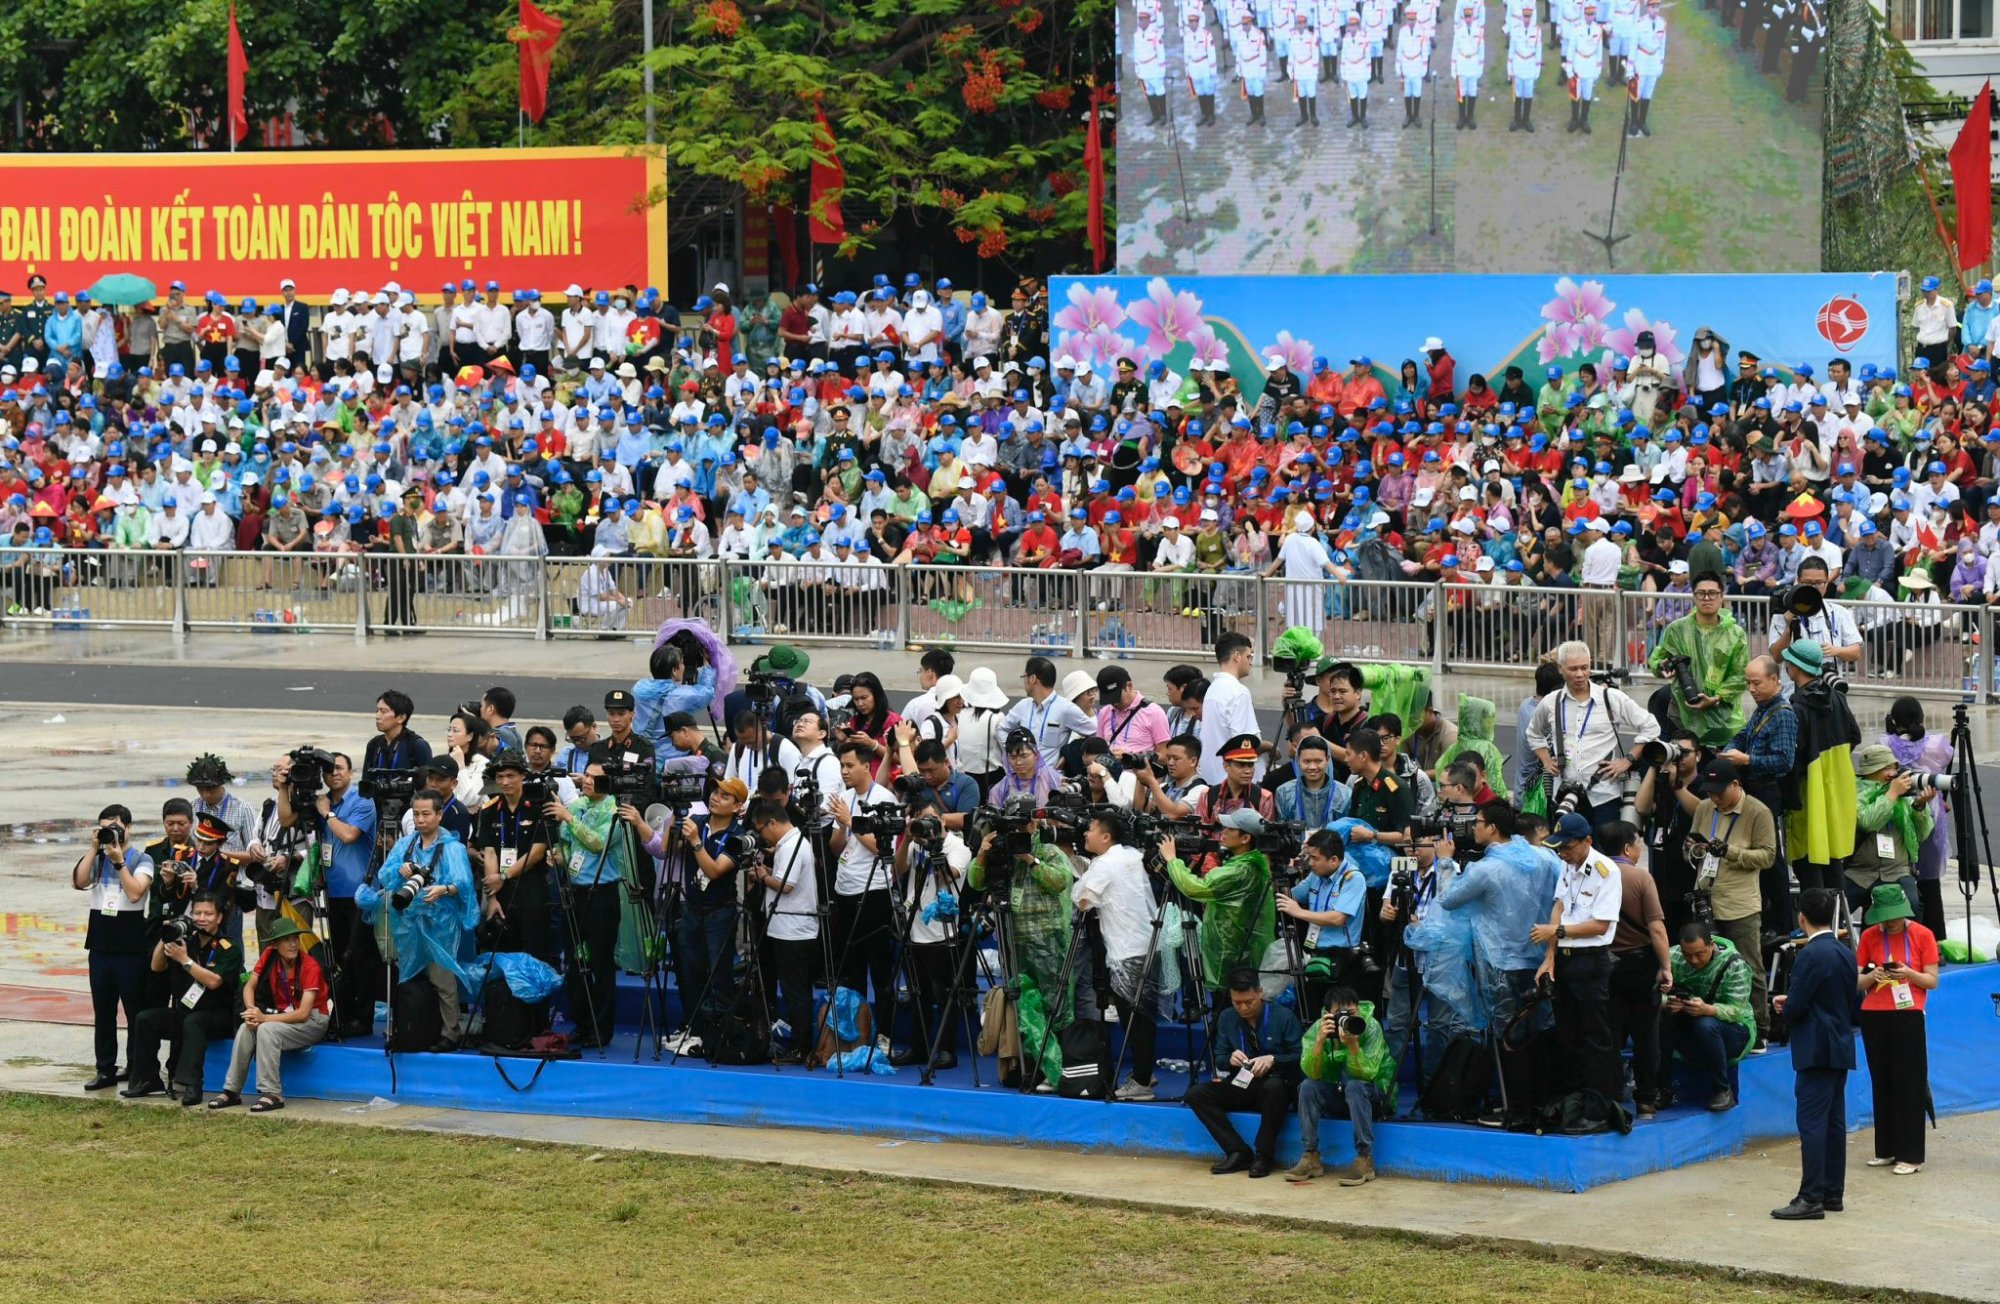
1352, 1025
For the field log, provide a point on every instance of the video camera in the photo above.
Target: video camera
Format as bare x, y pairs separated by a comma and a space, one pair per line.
1454, 820
1012, 839
626, 782
392, 787
682, 791
310, 766
760, 688
879, 820
537, 791
1294, 669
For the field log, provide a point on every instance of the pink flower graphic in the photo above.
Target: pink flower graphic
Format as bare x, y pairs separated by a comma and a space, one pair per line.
1625, 343
1208, 346
1089, 309
1166, 316
1567, 339
1575, 303
1106, 346
1071, 345
1298, 354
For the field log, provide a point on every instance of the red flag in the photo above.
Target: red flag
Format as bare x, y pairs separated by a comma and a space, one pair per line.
1093, 162
537, 35
239, 68
1972, 181
824, 224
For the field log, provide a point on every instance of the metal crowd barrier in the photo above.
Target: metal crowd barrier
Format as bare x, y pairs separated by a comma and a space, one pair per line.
1936, 650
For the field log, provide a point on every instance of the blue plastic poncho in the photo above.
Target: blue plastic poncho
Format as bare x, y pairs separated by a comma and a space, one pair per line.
427, 933
1442, 941
1506, 892
1371, 858
846, 1024
529, 979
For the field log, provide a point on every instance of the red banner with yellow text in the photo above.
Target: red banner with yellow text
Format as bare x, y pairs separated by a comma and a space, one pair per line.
527, 218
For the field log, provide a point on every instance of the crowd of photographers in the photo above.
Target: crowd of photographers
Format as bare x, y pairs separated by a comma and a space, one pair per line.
1046, 880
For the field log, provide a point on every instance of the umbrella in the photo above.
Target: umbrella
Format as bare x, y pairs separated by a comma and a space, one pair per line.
122, 288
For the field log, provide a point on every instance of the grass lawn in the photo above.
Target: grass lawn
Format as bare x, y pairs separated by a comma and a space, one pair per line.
108, 1203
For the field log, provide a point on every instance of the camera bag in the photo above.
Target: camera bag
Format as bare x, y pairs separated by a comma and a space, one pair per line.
1457, 1091
511, 1022
416, 1022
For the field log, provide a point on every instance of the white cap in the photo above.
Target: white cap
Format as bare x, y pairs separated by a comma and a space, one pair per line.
1082, 367
1491, 465
340, 298
1273, 360
1677, 567
286, 363
1632, 474
1468, 494
1208, 514
1379, 518
1170, 522
384, 374
206, 496
575, 291
392, 288
1422, 497
983, 361
1463, 525
593, 363
1432, 342
1483, 564
379, 297
1065, 363
1303, 521
288, 284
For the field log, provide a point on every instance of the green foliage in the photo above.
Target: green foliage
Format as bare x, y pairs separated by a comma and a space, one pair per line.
958, 115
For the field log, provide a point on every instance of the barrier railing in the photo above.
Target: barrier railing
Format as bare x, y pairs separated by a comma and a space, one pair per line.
1922, 648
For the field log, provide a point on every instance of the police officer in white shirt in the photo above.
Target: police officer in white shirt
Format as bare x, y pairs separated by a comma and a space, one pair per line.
1588, 724
1578, 940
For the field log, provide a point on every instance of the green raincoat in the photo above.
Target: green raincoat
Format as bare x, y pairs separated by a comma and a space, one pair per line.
1475, 734
1326, 1060
1039, 899
1397, 690
1239, 916
1721, 654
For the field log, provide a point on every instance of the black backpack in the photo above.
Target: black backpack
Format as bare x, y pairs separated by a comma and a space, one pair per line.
1458, 1089
1082, 1045
511, 1023
416, 1022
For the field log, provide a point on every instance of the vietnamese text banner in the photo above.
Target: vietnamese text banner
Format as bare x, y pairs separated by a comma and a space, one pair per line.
1488, 323
238, 223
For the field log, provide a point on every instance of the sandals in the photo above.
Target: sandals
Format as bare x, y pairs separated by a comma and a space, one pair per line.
226, 1100
266, 1104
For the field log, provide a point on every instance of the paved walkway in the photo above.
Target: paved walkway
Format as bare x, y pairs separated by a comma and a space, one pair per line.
1901, 1234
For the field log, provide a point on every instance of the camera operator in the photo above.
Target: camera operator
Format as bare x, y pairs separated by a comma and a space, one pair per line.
1238, 917
1134, 727
1381, 801
864, 924
1579, 730
1763, 752
1350, 1074
1833, 629
394, 746
598, 865
1422, 934
170, 854
705, 931
511, 841
208, 869
956, 794
1892, 818
931, 870
1106, 781
119, 878
1403, 767
1507, 890
1256, 1062
1708, 1018
349, 819
1577, 955
790, 880
440, 776
1641, 967
580, 727
1664, 785
756, 750
284, 838
209, 776
1717, 651
816, 758
683, 750
201, 1006
1170, 785
1027, 775
1732, 840
1114, 885
1037, 885
1328, 904
428, 923
1313, 798
540, 741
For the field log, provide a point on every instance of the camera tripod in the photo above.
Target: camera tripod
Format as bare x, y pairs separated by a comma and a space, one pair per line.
753, 924
883, 864
576, 958
964, 988
1968, 812
640, 896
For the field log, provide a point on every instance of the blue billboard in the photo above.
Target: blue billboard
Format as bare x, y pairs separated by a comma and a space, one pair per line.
1488, 323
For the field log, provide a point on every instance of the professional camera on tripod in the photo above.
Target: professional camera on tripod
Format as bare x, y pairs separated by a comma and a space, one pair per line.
879, 820
627, 782
307, 777
1455, 820
390, 787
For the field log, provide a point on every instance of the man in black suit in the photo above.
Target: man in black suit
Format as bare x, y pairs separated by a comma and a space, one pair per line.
297, 320
1820, 1009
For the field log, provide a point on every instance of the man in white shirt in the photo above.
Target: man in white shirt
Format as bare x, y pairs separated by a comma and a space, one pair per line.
1047, 715
578, 324
864, 926
535, 333
336, 327
1933, 318
923, 329
1833, 628
790, 879
933, 954
411, 342
816, 759
493, 324
1115, 886
1600, 572
1589, 724
1578, 936
1227, 710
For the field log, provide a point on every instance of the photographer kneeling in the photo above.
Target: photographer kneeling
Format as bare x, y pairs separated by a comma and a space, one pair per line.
284, 1008
1707, 1017
1732, 841
1349, 1074
202, 1001
426, 881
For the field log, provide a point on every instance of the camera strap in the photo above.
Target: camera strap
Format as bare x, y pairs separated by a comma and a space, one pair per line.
1735, 958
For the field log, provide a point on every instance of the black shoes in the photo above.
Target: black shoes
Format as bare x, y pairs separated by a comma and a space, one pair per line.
1260, 1167
155, 1087
1799, 1211
1237, 1162
101, 1081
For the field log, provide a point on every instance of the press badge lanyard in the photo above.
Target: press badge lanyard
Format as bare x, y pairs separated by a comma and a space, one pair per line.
1715, 818
1561, 728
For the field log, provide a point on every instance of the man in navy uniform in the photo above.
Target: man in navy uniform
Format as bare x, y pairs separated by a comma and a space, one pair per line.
1820, 1007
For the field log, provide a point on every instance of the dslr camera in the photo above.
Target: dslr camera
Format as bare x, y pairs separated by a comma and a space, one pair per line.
1663, 751
1353, 1025
1616, 676
109, 836
415, 880
1680, 669
1925, 784
178, 928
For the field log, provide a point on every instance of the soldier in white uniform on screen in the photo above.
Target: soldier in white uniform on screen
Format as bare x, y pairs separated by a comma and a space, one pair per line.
1199, 57
1586, 65
1468, 63
1253, 65
1649, 63
1149, 65
1377, 18
1329, 19
1524, 65
1413, 60
1624, 26
1353, 65
1302, 52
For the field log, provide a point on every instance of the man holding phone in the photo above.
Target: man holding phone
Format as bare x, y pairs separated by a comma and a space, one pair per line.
1708, 1017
